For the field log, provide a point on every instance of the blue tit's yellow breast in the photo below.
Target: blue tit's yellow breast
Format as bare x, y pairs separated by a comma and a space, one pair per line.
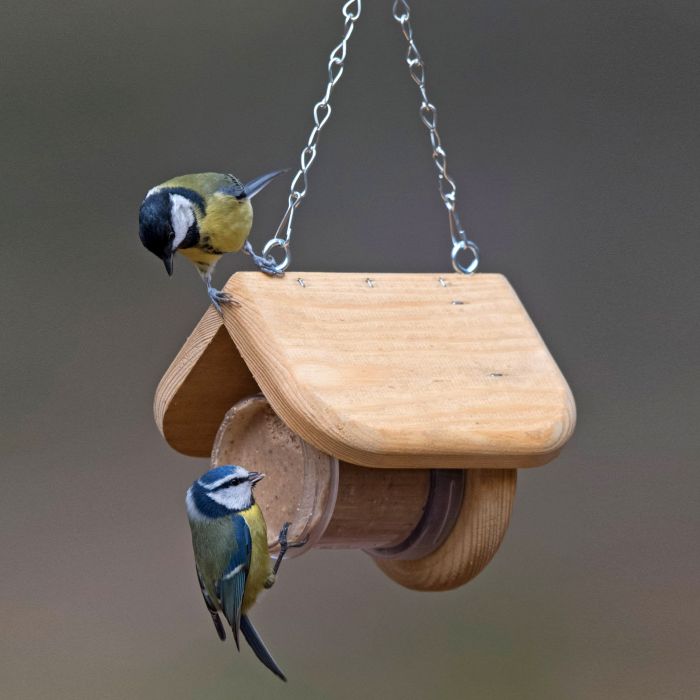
226, 224
260, 562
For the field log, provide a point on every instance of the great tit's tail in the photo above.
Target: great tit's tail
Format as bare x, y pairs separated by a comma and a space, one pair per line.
250, 189
259, 648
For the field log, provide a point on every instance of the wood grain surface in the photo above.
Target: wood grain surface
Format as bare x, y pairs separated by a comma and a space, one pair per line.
405, 370
205, 379
376, 507
477, 534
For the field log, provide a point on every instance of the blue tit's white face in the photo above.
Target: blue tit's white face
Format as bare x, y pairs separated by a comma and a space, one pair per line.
221, 491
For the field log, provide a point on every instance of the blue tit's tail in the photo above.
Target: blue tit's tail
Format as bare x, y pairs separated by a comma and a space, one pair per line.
258, 646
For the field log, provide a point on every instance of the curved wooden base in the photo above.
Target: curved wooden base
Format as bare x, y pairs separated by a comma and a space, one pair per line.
478, 533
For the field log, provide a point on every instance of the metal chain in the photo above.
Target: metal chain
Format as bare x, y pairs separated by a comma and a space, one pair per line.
428, 115
321, 114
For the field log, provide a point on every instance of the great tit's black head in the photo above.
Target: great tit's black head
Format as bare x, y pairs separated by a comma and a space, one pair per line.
167, 221
156, 227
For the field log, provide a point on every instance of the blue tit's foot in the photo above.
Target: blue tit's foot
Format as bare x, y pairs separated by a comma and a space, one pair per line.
218, 297
284, 546
266, 265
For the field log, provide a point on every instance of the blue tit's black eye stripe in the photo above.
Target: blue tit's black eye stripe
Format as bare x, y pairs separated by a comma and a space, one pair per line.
231, 482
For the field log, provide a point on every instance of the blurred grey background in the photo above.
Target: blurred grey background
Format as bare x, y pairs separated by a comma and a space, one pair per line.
572, 133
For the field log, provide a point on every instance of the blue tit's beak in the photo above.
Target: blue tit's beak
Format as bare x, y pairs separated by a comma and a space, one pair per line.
254, 477
168, 262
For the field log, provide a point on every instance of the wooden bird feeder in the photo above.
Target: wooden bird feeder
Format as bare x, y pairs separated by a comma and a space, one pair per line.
390, 412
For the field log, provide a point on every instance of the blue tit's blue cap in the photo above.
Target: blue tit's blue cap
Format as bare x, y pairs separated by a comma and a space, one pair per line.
217, 473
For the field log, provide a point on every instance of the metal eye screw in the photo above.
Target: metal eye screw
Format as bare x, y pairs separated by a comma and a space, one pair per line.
457, 248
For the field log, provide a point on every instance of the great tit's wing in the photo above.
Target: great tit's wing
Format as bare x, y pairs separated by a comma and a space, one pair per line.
258, 646
232, 583
233, 187
236, 189
211, 608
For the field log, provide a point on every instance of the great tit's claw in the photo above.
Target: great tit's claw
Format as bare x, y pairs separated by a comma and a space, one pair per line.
264, 264
218, 297
269, 267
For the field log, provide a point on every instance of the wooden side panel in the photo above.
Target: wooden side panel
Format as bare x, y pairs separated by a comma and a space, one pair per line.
477, 534
406, 370
205, 379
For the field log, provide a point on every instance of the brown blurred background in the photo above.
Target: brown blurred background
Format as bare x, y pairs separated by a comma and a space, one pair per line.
572, 134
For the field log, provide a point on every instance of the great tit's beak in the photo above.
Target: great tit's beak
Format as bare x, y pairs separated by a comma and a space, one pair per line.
168, 262
250, 189
254, 477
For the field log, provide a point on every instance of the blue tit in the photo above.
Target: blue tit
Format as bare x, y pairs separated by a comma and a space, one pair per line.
229, 538
202, 216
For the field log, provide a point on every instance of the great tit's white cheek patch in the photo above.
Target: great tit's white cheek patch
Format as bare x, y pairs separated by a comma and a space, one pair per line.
181, 217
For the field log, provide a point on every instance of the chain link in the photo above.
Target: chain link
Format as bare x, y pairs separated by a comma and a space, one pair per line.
321, 114
428, 115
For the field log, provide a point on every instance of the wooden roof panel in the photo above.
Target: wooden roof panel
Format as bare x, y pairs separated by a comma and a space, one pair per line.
403, 371
408, 370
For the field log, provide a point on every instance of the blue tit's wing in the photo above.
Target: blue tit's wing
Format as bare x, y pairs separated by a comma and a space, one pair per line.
211, 608
232, 583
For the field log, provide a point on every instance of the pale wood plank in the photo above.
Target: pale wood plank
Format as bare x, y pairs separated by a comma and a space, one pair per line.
205, 379
477, 534
397, 375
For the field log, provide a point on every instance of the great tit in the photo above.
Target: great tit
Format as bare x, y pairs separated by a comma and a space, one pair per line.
202, 216
229, 538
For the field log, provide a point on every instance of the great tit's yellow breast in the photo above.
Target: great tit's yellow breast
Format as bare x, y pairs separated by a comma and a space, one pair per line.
260, 562
199, 257
226, 224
